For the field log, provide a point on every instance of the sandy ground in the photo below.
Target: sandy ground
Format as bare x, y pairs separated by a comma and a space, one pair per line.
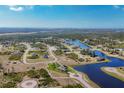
51, 59
66, 61
67, 81
58, 74
113, 70
31, 83
62, 78
80, 78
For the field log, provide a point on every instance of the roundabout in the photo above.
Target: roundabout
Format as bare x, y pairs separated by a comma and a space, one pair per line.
29, 84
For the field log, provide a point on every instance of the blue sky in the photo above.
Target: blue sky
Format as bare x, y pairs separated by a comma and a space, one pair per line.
68, 16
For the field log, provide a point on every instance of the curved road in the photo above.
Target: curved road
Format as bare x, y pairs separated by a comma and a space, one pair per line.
50, 49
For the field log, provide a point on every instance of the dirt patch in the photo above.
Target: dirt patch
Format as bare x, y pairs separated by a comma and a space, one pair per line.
67, 81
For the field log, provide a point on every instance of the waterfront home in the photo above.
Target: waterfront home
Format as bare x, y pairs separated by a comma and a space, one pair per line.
46, 56
100, 59
119, 49
17, 52
62, 68
35, 49
34, 54
86, 41
99, 46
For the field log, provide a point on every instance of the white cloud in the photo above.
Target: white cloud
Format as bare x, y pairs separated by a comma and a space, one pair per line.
20, 8
16, 8
121, 8
29, 7
116, 6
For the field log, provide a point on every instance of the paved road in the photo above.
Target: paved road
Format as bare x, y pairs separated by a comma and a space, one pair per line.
26, 52
80, 78
76, 52
1, 47
50, 50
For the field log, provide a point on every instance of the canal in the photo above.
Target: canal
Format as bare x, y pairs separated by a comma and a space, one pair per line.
94, 71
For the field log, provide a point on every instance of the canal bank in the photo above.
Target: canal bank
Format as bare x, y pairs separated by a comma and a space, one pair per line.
94, 71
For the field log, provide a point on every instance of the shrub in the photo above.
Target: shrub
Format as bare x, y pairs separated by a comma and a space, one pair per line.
33, 74
9, 85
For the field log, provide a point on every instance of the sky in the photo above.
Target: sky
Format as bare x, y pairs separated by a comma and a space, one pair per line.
68, 16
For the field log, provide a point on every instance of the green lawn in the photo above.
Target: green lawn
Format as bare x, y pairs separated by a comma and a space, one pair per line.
70, 69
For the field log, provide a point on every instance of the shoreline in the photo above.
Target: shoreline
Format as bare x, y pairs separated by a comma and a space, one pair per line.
113, 73
17, 33
108, 54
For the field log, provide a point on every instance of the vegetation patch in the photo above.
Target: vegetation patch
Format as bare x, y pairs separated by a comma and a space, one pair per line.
73, 86
70, 69
72, 56
11, 80
48, 82
15, 57
58, 52
38, 73
53, 66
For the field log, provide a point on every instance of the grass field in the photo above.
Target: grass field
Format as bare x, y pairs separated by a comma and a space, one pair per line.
37, 60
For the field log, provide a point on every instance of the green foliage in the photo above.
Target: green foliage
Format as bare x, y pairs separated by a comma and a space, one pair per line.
11, 80
73, 56
81, 59
33, 57
43, 73
15, 77
9, 85
33, 74
5, 53
70, 69
40, 52
15, 57
1, 67
20, 47
53, 66
38, 73
40, 46
48, 82
73, 86
58, 52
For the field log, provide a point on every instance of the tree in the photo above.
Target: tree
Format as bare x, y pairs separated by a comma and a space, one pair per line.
33, 74
43, 73
81, 59
9, 85
48, 82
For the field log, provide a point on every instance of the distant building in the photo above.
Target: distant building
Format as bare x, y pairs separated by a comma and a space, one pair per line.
63, 68
34, 54
46, 56
100, 59
16, 53
35, 49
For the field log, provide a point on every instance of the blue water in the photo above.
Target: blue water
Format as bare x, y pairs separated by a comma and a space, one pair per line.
77, 43
94, 72
99, 77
